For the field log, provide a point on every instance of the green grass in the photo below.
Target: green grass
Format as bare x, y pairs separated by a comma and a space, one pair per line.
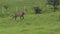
32, 24
45, 23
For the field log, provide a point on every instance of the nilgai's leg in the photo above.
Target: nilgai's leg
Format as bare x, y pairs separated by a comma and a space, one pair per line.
21, 17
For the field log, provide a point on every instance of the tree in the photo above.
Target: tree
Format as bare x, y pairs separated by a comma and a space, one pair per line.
54, 3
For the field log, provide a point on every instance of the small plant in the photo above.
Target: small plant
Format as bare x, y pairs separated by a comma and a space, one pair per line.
37, 10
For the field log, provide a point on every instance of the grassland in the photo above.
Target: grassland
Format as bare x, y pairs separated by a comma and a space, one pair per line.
45, 23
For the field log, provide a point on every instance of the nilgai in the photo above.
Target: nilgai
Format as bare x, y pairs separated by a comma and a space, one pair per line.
19, 14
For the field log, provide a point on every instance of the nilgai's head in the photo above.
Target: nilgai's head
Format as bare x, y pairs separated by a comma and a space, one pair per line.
24, 10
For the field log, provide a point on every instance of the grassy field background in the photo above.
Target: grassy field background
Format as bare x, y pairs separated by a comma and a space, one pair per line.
45, 23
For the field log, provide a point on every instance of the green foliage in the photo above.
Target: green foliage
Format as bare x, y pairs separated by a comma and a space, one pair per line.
54, 3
